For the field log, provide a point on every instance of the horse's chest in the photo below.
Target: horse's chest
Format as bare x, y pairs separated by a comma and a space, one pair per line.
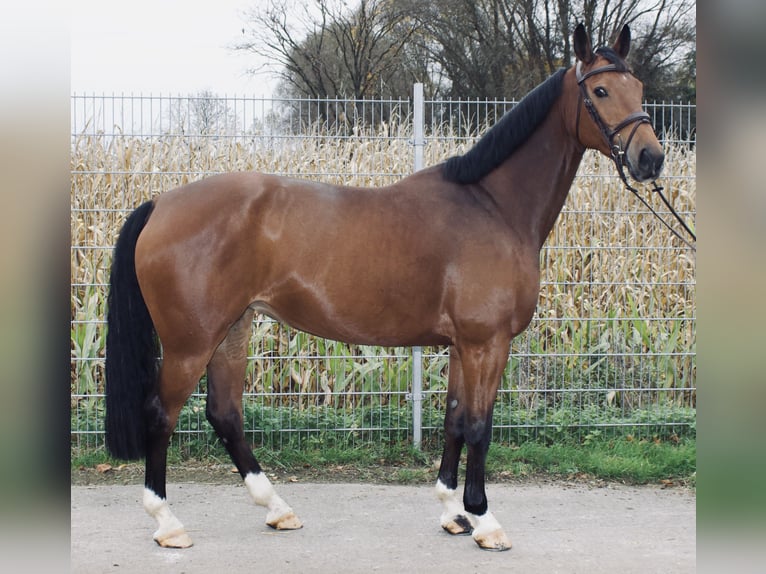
495, 294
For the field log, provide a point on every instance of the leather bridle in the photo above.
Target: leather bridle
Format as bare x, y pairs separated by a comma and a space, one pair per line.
616, 149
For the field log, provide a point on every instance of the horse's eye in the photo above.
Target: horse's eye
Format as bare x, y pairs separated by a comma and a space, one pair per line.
601, 92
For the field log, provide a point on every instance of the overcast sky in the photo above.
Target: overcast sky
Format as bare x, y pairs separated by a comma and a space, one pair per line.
161, 46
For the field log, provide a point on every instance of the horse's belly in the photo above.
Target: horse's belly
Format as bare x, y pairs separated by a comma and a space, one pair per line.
358, 316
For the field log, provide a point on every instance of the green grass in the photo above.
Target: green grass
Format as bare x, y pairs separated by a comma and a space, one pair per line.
598, 440
623, 459
633, 461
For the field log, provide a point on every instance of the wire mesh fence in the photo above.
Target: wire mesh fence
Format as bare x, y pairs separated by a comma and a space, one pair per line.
612, 346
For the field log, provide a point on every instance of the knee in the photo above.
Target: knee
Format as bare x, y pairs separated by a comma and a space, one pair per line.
478, 431
453, 423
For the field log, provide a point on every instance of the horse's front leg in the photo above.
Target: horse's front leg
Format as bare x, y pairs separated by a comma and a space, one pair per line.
482, 370
453, 518
487, 532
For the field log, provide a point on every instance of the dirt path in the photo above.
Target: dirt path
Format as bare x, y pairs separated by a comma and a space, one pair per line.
358, 528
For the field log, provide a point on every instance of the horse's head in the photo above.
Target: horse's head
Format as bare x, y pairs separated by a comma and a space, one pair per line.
609, 114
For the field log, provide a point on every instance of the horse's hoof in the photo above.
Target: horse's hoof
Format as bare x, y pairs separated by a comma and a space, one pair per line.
458, 525
174, 539
495, 540
286, 522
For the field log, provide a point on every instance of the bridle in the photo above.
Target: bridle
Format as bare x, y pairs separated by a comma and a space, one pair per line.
636, 118
616, 149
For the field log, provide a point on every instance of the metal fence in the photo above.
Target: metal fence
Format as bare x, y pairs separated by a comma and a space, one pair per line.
612, 346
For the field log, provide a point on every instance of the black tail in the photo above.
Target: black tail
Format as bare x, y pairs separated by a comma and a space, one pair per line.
131, 347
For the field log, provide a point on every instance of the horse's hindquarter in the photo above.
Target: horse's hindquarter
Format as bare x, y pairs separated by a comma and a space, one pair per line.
391, 266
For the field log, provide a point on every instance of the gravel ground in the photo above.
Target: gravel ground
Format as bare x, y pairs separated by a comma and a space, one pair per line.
556, 527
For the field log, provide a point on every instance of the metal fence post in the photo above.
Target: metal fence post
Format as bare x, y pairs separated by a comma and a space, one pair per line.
417, 353
418, 128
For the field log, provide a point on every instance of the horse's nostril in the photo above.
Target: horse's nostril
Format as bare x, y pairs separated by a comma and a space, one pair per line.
650, 163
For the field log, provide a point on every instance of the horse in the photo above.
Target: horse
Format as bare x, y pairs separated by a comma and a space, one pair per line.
448, 256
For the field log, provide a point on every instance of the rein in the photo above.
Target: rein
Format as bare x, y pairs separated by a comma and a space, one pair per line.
618, 152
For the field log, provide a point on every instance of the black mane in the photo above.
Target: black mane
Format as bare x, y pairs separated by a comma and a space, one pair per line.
506, 135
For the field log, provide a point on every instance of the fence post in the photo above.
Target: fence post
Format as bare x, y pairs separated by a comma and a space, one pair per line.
417, 353
418, 128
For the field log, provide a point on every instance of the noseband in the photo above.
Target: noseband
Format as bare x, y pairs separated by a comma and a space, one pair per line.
618, 152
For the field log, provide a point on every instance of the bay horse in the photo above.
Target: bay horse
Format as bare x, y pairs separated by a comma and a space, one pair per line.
446, 256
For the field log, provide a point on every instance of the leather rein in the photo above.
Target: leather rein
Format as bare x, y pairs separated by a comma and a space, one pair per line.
618, 152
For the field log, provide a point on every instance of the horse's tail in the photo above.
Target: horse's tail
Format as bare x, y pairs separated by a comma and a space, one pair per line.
132, 348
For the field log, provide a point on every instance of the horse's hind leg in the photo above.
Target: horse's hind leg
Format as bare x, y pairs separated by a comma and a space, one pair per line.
178, 377
225, 380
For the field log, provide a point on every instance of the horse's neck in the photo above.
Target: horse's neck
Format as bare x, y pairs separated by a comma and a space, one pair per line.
532, 184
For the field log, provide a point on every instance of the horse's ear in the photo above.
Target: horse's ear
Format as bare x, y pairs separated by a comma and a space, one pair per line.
582, 47
622, 45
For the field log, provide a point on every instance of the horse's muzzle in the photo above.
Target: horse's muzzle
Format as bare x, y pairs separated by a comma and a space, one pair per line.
649, 165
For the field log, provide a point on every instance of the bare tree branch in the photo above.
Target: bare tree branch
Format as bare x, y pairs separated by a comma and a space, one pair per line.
467, 48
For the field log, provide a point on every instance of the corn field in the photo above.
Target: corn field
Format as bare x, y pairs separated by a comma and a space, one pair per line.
612, 345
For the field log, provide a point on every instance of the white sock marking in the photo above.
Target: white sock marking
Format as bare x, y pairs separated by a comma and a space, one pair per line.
484, 524
263, 494
158, 508
453, 506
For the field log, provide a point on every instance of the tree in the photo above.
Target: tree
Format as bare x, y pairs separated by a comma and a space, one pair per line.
462, 48
664, 52
503, 48
204, 114
471, 42
323, 48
